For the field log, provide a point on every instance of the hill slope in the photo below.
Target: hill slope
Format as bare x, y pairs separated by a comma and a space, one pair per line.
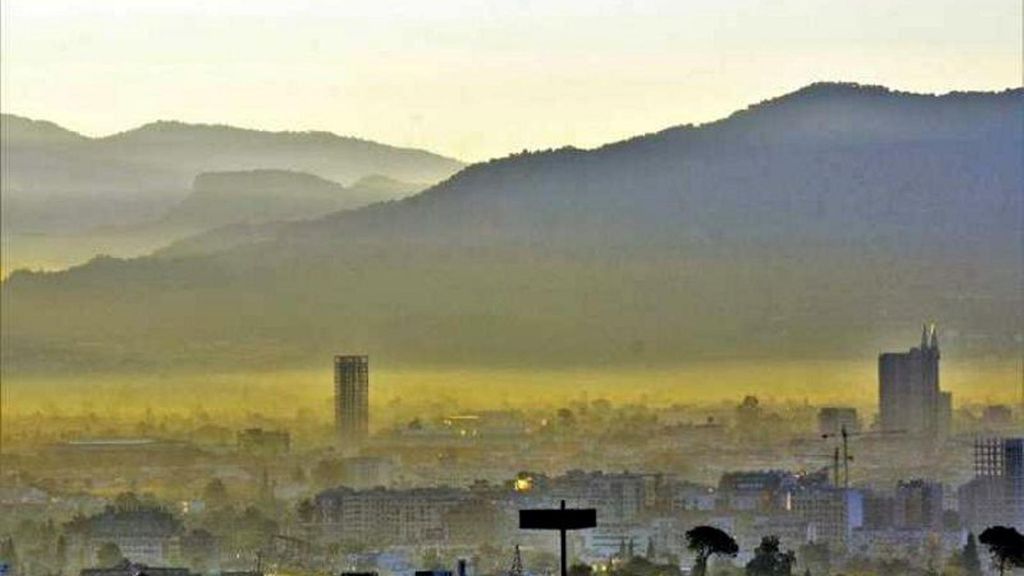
814, 225
261, 196
54, 179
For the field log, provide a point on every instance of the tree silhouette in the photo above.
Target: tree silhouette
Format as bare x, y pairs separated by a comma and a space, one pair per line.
215, 493
770, 560
707, 541
580, 569
1006, 546
306, 510
61, 551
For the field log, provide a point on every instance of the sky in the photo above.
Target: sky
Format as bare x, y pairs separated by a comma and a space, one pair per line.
474, 79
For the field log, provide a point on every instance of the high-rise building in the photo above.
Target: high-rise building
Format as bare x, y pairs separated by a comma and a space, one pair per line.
996, 494
909, 397
352, 397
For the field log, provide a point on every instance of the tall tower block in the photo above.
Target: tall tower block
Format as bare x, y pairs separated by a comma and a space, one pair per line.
909, 395
352, 397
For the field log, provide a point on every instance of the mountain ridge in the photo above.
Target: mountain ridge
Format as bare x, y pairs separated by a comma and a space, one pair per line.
712, 241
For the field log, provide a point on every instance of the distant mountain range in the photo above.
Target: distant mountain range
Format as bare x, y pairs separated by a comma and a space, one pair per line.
55, 179
66, 197
813, 225
261, 196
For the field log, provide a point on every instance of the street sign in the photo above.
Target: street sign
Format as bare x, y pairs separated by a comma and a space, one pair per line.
558, 519
562, 519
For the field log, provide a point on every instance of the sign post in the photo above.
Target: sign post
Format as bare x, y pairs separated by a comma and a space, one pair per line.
562, 519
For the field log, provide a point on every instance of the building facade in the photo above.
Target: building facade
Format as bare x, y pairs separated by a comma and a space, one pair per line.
995, 496
352, 397
144, 534
381, 516
909, 397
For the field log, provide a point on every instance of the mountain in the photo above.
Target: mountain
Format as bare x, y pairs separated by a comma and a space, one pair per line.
27, 132
814, 225
199, 148
228, 209
262, 196
56, 180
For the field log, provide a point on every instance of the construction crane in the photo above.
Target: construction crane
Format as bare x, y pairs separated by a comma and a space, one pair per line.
846, 456
833, 465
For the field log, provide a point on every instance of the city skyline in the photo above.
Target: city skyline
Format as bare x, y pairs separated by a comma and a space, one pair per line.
511, 288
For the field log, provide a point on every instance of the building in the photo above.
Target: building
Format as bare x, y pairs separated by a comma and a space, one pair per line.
996, 494
674, 496
144, 534
756, 491
618, 497
381, 516
917, 505
352, 397
832, 420
917, 546
909, 397
997, 417
832, 513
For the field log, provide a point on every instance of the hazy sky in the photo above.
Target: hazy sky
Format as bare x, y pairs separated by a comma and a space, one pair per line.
477, 79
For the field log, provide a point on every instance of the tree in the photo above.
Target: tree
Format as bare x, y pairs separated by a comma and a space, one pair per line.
215, 493
109, 555
127, 501
61, 551
306, 510
969, 559
579, 569
708, 541
770, 560
1006, 546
